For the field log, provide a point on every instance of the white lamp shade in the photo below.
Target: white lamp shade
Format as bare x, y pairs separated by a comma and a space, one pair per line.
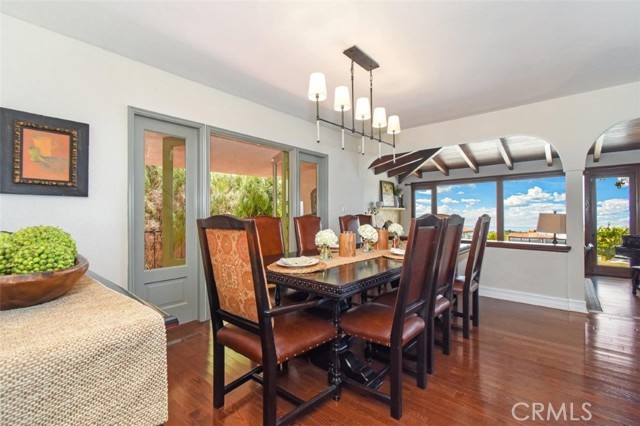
342, 100
393, 125
363, 110
317, 87
553, 223
379, 118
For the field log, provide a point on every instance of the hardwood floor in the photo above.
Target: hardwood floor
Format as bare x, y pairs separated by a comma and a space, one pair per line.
520, 354
615, 296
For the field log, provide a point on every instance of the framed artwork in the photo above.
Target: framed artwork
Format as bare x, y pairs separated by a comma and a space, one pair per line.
43, 155
386, 193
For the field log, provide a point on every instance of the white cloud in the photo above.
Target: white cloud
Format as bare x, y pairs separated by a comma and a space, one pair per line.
448, 200
444, 209
533, 195
460, 193
444, 188
614, 212
559, 197
469, 201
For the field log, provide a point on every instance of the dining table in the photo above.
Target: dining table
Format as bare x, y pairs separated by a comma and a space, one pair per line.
341, 278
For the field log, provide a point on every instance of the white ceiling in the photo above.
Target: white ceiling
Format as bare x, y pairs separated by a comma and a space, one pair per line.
438, 60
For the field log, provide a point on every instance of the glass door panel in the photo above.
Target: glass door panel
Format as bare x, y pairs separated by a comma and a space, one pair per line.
612, 219
164, 200
308, 188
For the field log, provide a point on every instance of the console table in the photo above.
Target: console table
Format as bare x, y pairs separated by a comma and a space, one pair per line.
90, 357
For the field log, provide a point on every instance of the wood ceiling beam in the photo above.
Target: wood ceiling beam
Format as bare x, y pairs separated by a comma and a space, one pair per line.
547, 154
413, 168
597, 150
440, 166
472, 165
388, 158
505, 155
404, 160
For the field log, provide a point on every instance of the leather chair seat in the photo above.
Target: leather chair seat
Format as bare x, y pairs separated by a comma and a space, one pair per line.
388, 298
458, 285
292, 334
373, 321
442, 305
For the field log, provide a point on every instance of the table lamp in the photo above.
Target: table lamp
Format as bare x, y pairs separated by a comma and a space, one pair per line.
553, 223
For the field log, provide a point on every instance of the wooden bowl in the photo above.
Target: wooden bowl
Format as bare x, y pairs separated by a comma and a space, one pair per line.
20, 291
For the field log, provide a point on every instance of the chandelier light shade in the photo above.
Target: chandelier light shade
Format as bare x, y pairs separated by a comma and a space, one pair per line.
317, 87
342, 100
363, 111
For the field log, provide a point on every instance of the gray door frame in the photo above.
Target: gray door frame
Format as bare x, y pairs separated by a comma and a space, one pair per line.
192, 249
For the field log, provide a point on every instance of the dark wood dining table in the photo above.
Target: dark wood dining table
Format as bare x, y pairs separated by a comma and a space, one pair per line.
340, 283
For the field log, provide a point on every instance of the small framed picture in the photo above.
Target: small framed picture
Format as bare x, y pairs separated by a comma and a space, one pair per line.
386, 193
43, 155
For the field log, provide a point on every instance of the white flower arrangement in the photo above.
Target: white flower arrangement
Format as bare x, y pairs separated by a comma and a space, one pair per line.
396, 229
326, 237
368, 232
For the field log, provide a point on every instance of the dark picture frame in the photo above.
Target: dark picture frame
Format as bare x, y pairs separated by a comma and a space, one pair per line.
43, 155
386, 193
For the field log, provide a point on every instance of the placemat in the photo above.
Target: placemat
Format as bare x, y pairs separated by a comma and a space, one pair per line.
389, 255
320, 266
90, 357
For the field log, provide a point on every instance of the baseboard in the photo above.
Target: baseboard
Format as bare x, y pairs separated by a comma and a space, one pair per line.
534, 299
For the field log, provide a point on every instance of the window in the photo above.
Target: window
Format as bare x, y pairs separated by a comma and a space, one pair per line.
524, 200
513, 203
469, 200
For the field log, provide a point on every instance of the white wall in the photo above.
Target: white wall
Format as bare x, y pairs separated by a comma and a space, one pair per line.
45, 73
571, 124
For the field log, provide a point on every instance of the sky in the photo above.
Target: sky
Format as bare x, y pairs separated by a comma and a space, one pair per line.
523, 201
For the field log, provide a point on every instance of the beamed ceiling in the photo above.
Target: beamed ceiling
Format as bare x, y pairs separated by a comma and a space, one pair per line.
507, 151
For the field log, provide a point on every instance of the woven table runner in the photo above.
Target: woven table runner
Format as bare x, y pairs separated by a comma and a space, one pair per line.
90, 357
327, 263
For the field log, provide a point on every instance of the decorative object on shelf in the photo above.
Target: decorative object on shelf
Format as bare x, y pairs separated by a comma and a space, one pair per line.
363, 106
397, 231
553, 223
325, 239
387, 193
347, 244
397, 193
43, 155
369, 237
383, 239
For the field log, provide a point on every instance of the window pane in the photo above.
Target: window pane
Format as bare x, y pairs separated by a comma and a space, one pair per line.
612, 219
524, 200
422, 203
470, 200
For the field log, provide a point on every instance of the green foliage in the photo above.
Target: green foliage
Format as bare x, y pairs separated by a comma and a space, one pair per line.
241, 196
608, 238
36, 249
492, 236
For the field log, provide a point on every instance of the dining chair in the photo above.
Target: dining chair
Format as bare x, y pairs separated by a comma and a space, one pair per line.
441, 300
244, 320
306, 227
271, 242
466, 286
396, 326
350, 223
365, 219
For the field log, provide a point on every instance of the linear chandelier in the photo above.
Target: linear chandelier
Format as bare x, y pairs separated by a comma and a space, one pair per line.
364, 106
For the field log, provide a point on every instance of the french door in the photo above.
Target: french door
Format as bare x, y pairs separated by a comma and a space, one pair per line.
164, 249
611, 210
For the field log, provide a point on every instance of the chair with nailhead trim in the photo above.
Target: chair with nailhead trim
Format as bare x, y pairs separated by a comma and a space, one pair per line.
396, 326
269, 336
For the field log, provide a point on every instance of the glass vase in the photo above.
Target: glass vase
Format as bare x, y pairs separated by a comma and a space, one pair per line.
395, 243
325, 253
367, 246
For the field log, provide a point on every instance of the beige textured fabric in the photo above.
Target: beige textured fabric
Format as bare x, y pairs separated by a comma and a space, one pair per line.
91, 357
330, 263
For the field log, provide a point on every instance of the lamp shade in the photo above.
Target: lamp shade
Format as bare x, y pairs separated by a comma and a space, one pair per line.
379, 118
393, 125
317, 87
552, 222
342, 100
363, 109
